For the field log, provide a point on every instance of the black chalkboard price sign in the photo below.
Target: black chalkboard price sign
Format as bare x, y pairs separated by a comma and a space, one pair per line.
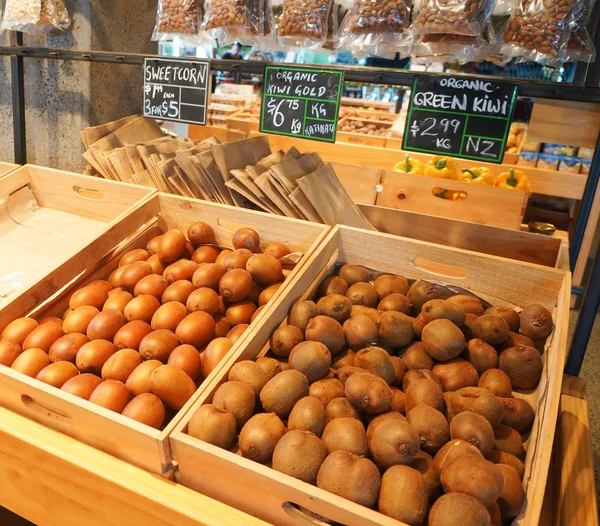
176, 90
459, 117
301, 102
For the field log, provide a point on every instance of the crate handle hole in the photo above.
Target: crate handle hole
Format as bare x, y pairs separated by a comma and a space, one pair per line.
44, 412
304, 517
441, 269
449, 195
88, 193
232, 226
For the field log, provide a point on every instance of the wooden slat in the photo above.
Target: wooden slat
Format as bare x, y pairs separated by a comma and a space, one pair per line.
360, 182
587, 241
7, 167
50, 478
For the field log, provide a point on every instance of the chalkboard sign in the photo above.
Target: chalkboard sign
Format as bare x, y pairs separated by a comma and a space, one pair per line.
176, 90
301, 102
459, 117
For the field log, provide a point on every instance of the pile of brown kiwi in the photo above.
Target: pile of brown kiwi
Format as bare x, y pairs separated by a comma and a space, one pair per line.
140, 342
388, 395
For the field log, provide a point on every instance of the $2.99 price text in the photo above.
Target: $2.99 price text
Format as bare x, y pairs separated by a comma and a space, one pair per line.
430, 127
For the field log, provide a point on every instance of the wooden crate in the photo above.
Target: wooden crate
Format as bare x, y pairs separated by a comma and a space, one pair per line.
268, 494
55, 225
7, 167
243, 121
360, 138
125, 438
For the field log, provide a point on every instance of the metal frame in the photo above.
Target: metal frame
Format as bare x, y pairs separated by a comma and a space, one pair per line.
586, 88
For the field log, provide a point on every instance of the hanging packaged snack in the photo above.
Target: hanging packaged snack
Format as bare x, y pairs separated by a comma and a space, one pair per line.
304, 23
539, 30
18, 14
225, 20
64, 19
331, 42
581, 46
259, 20
48, 18
177, 18
376, 27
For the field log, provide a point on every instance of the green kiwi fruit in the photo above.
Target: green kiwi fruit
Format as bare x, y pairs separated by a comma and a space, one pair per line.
501, 457
418, 374
368, 393
360, 332
424, 464
509, 440
352, 274
388, 284
362, 294
496, 381
393, 441
376, 361
404, 495
420, 293
333, 285
399, 369
343, 373
431, 425
474, 476
398, 400
270, 366
326, 390
301, 313
344, 359
513, 495
457, 508
237, 398
345, 433
312, 359
215, 426
453, 450
474, 429
416, 357
536, 322
392, 415
418, 325
479, 401
518, 414
350, 476
515, 339
367, 311
523, 365
480, 355
467, 303
456, 374
335, 306
284, 339
398, 302
424, 392
490, 329
395, 329
308, 414
340, 408
260, 435
327, 331
282, 392
442, 310
250, 373
495, 514
443, 340
299, 454
511, 316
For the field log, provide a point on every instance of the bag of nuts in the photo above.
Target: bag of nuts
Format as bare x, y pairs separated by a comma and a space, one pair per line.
177, 18
64, 20
539, 30
20, 13
304, 23
259, 20
581, 46
376, 27
225, 20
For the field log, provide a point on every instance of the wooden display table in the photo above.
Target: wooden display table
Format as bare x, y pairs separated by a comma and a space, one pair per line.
50, 478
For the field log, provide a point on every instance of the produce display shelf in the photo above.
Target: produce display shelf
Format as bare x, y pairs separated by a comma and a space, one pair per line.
6, 168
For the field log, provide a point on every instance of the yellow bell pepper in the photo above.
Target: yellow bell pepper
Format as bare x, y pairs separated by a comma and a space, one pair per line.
410, 166
477, 175
443, 167
450, 195
513, 179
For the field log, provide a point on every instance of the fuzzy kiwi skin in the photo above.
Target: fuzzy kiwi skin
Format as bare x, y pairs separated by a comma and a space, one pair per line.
362, 294
250, 373
367, 311
301, 313
467, 303
443, 340
345, 433
333, 285
518, 414
352, 274
312, 359
454, 449
300, 455
424, 392
388, 284
260, 435
404, 495
420, 293
215, 426
360, 332
368, 393
335, 306
270, 366
326, 390
495, 514
397, 302
344, 359
236, 397
327, 331
511, 316
431, 425
536, 322
479, 401
514, 340
523, 365
351, 477
424, 464
343, 373
395, 329
392, 442
418, 374
308, 414
480, 355
502, 457
392, 415
281, 392
442, 309
416, 357
376, 361
399, 370
398, 400
456, 374
473, 476
497, 382
448, 411
509, 440
513, 495
284, 339
474, 429
457, 508
340, 408
491, 329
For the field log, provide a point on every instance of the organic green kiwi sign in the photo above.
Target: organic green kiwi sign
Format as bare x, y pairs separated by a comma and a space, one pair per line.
461, 117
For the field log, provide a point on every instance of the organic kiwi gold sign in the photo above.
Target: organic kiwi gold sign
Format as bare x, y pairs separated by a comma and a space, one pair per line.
462, 117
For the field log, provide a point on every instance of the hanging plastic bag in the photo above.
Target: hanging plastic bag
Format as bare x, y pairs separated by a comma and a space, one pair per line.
539, 30
64, 19
225, 20
304, 23
179, 18
18, 14
48, 18
581, 46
